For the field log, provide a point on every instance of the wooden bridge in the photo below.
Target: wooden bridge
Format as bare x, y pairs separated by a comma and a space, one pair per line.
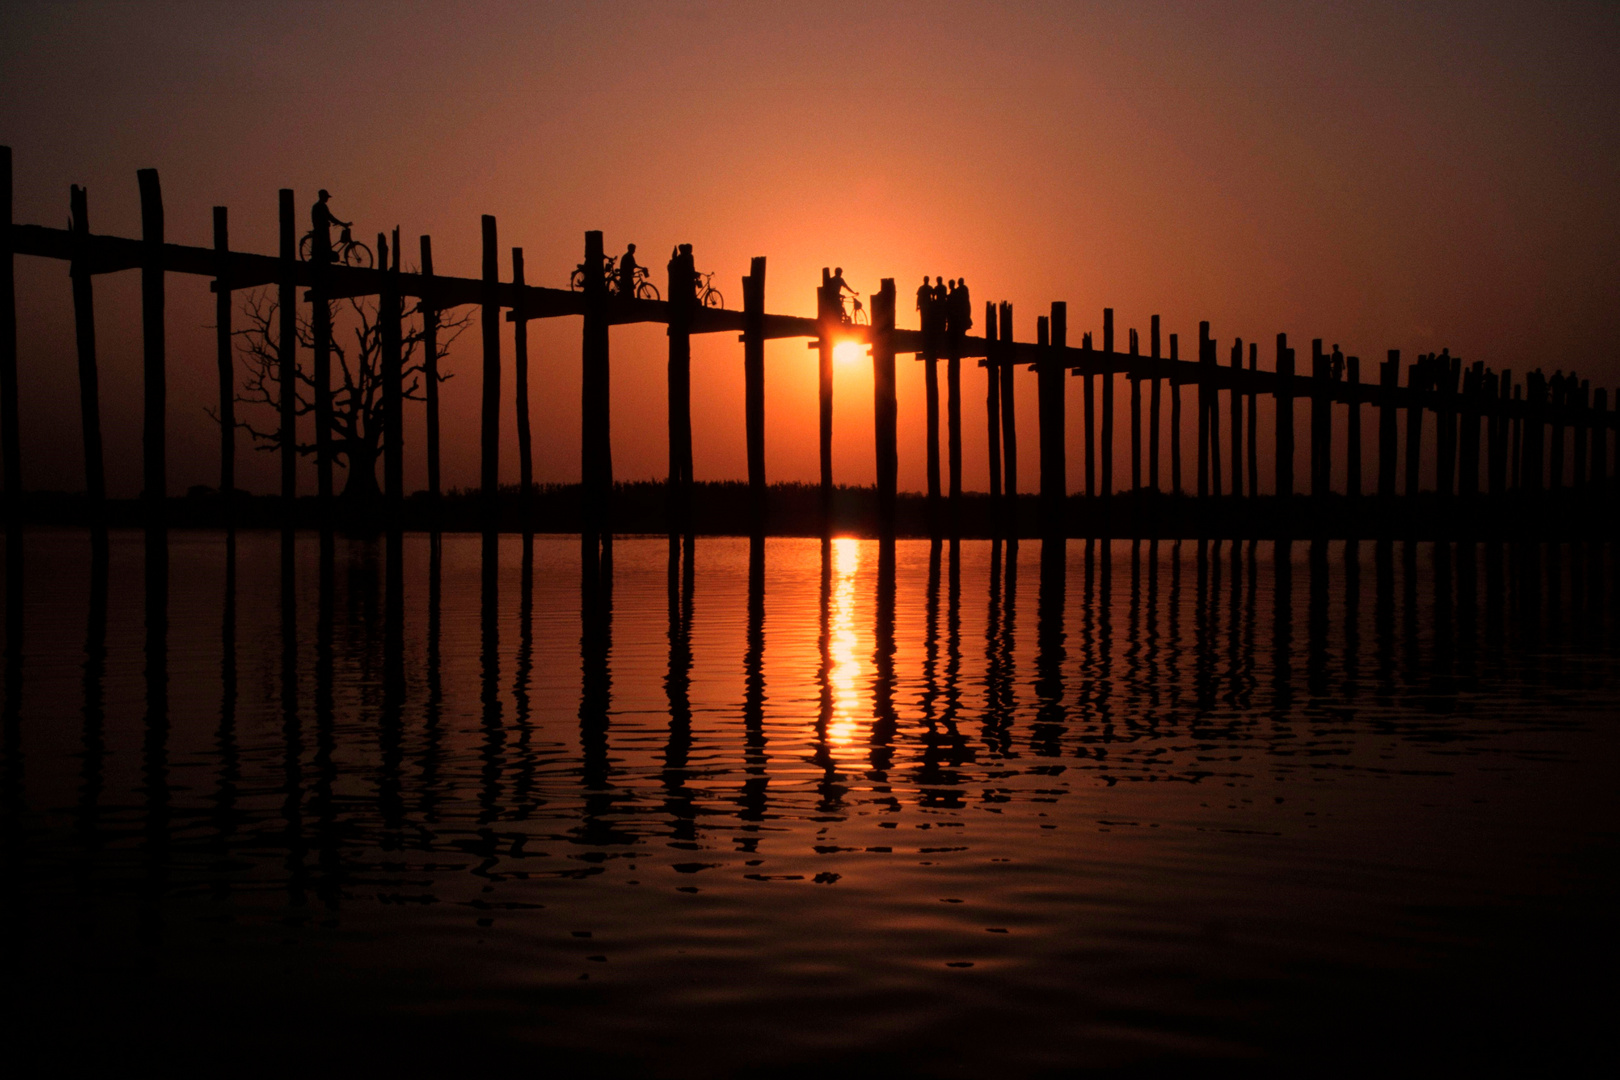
1526, 427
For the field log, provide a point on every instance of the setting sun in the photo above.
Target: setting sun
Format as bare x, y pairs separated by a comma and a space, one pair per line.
849, 352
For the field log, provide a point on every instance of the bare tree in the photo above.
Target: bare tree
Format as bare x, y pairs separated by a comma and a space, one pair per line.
357, 398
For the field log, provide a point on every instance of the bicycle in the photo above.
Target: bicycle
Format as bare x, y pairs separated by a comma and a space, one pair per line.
576, 280
709, 296
856, 316
347, 250
644, 289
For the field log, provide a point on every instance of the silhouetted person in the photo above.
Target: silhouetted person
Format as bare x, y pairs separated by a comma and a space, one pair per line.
321, 216
682, 269
961, 308
1336, 368
942, 302
925, 305
838, 287
627, 271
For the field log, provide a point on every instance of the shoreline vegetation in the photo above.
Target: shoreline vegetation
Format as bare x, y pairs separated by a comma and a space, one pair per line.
725, 508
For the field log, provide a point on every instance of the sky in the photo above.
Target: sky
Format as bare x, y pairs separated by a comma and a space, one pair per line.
1382, 176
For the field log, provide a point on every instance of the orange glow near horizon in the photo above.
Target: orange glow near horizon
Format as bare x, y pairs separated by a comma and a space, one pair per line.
848, 353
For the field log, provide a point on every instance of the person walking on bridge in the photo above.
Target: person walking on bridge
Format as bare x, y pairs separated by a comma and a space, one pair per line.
837, 287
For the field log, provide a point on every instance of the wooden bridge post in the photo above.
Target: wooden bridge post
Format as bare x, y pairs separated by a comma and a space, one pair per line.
430, 374
1253, 429
1206, 363
1417, 387
884, 408
754, 386
992, 407
1600, 439
1581, 423
1556, 408
1236, 405
596, 447
1495, 426
1285, 418
953, 418
1154, 403
223, 357
1135, 377
682, 293
321, 335
520, 379
389, 311
930, 335
1389, 373
1515, 452
827, 311
84, 332
489, 428
154, 437
1090, 400
1105, 477
1321, 421
1049, 392
1445, 422
287, 355
1468, 431
1009, 414
10, 441
1175, 417
1212, 374
1352, 428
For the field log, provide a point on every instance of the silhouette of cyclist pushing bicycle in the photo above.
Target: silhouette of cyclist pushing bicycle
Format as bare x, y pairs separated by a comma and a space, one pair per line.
347, 250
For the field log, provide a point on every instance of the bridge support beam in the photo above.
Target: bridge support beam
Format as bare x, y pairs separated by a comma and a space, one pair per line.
992, 408
754, 387
489, 428
430, 374
1285, 418
1009, 416
828, 322
84, 333
596, 448
682, 300
224, 357
884, 409
389, 313
520, 379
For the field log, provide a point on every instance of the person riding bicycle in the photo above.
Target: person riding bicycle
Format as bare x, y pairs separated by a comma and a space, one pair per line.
837, 286
627, 271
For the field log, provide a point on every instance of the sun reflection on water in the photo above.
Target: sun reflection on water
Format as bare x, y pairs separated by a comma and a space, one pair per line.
845, 675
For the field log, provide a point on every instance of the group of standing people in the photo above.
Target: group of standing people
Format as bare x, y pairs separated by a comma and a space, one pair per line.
944, 307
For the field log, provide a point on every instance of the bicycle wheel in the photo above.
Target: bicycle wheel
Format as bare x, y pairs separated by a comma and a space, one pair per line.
357, 254
576, 280
306, 247
860, 318
712, 298
646, 290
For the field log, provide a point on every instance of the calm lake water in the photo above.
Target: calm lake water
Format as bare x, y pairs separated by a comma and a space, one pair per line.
967, 810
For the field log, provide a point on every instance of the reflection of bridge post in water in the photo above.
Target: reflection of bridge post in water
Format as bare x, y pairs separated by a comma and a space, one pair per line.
292, 736
391, 726
595, 698
1316, 621
226, 815
944, 749
1352, 619
1155, 695
523, 714
752, 802
433, 708
996, 729
91, 779
1282, 632
1203, 631
155, 752
1103, 664
929, 698
678, 800
491, 750
1051, 712
328, 858
884, 719
830, 788
1384, 618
